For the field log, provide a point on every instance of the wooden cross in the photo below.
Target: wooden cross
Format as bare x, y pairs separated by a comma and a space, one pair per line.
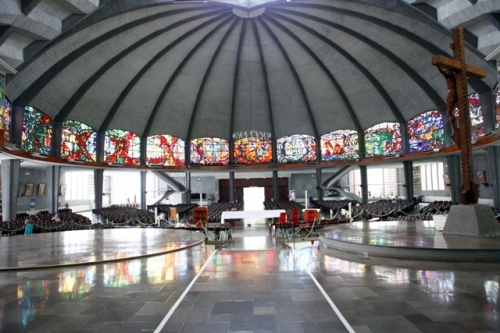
456, 73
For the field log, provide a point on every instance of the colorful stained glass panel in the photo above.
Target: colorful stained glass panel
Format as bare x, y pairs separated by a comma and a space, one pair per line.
296, 148
476, 116
253, 151
426, 131
165, 150
6, 111
78, 141
122, 147
383, 139
339, 145
209, 151
37, 131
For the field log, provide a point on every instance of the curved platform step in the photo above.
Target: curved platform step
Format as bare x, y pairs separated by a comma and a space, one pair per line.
88, 247
408, 240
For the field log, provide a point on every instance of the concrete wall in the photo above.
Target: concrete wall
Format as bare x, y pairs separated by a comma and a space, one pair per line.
35, 177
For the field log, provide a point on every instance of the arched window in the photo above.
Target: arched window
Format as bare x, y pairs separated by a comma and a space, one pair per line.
383, 139
5, 111
253, 151
165, 150
78, 141
37, 131
209, 151
426, 132
122, 147
296, 148
339, 145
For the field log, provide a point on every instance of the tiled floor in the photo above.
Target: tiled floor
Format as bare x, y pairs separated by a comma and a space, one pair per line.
255, 284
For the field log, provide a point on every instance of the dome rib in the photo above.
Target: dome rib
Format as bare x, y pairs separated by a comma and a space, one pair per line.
150, 63
375, 83
102, 13
83, 89
205, 78
37, 85
186, 59
235, 79
417, 78
296, 77
266, 83
477, 84
327, 72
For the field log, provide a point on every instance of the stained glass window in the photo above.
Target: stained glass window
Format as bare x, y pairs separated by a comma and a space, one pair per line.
426, 131
296, 148
78, 141
122, 147
253, 151
383, 139
165, 150
209, 151
37, 131
476, 116
6, 110
339, 145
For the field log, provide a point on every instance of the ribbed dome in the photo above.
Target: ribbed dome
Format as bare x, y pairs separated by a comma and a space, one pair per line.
211, 69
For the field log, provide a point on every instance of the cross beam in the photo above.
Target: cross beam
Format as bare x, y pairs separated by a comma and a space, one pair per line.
456, 71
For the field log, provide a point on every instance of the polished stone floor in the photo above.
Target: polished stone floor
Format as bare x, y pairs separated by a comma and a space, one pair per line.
90, 246
254, 284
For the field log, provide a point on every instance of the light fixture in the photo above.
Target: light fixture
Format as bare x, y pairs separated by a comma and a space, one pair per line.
27, 173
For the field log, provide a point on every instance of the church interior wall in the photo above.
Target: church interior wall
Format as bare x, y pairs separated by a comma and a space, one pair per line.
35, 177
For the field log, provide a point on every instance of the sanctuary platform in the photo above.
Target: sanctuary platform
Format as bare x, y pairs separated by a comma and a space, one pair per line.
83, 247
408, 240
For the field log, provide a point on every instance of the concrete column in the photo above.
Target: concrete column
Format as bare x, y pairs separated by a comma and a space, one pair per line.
318, 149
144, 148
364, 183
16, 124
276, 186
455, 176
143, 190
408, 172
98, 187
56, 139
188, 187
10, 186
232, 194
53, 174
494, 173
319, 194
361, 144
404, 137
99, 149
231, 151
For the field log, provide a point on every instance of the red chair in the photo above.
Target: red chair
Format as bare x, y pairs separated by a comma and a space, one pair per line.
295, 216
309, 215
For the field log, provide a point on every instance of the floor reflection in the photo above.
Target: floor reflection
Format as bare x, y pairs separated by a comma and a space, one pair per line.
374, 294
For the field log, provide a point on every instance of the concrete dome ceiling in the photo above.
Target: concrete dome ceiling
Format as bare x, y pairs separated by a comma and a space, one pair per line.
214, 68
